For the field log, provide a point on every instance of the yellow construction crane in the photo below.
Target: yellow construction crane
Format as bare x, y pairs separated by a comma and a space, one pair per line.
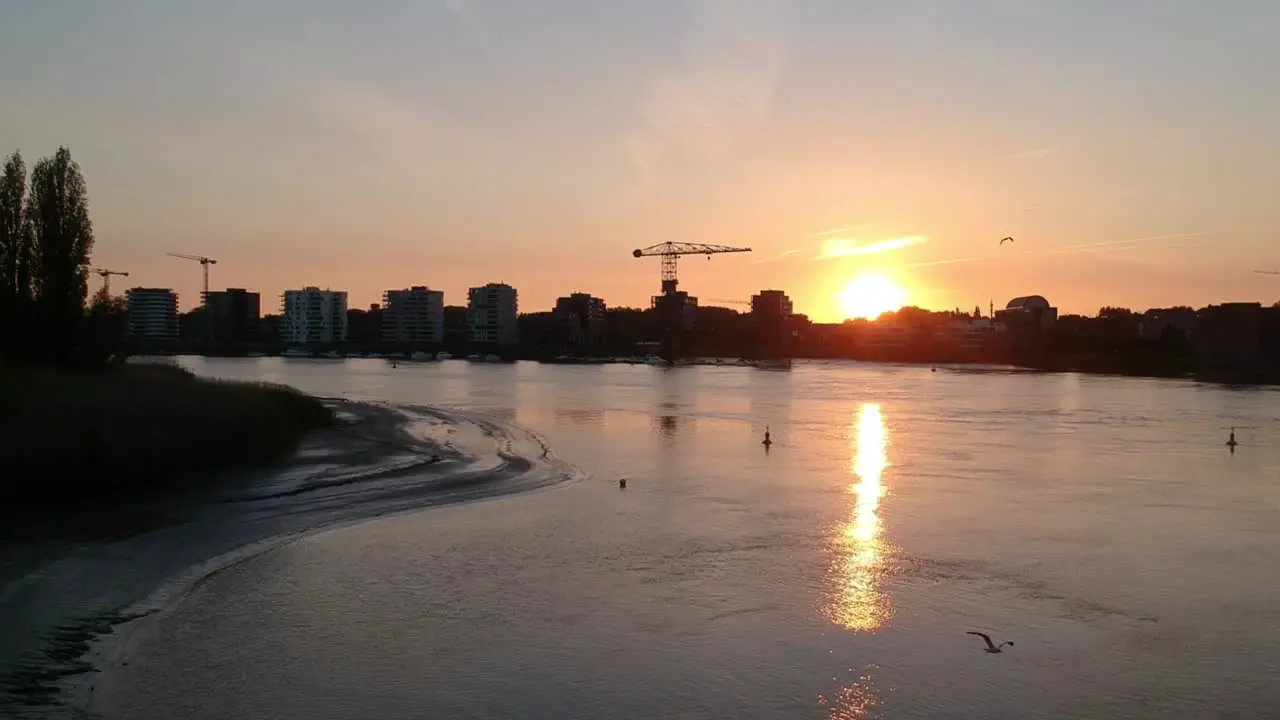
204, 263
670, 252
106, 278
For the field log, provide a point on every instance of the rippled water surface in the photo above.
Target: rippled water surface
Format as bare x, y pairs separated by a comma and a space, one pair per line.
1099, 523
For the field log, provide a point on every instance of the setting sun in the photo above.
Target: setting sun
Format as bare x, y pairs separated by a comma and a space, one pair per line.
868, 296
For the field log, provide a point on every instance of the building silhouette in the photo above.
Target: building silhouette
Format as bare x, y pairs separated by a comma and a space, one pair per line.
1238, 342
153, 313
771, 312
493, 315
235, 314
579, 318
1028, 311
312, 316
413, 316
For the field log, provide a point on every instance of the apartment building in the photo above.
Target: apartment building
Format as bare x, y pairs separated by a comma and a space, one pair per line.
312, 316
493, 314
413, 316
153, 313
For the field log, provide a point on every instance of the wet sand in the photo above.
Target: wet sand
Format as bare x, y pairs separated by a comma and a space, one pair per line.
68, 581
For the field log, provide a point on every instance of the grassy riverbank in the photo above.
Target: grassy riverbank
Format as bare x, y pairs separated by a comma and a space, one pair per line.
138, 431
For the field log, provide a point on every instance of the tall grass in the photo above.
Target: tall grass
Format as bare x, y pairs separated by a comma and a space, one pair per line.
138, 430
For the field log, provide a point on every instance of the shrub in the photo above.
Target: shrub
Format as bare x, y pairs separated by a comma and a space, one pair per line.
139, 429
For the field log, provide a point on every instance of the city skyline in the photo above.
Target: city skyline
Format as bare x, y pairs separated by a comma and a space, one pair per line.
453, 144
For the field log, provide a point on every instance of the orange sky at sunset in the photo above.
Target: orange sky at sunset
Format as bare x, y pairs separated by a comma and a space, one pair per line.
457, 143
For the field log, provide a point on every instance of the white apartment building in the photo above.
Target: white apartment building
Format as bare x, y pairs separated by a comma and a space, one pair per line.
413, 316
153, 313
312, 316
492, 312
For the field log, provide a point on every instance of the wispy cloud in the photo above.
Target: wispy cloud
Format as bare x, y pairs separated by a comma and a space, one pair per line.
467, 13
723, 92
1105, 245
779, 256
840, 247
1036, 154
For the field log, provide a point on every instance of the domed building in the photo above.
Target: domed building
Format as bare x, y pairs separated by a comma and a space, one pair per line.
1028, 310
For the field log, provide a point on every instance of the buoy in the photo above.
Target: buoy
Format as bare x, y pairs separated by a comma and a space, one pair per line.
622, 484
767, 440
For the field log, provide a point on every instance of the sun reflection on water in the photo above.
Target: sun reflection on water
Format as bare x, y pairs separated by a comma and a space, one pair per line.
856, 701
858, 601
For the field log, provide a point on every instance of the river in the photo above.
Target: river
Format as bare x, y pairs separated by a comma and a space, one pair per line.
1098, 523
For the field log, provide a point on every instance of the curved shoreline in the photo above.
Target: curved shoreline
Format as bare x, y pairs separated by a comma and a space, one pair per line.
82, 607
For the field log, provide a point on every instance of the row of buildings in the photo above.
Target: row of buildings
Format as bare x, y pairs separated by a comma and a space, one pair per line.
311, 316
410, 316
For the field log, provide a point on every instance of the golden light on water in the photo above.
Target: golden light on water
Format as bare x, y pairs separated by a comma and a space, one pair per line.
855, 701
858, 601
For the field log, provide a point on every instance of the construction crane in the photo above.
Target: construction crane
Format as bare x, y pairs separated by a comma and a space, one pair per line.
204, 263
722, 301
670, 252
106, 278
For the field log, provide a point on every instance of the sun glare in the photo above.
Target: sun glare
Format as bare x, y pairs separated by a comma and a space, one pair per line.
868, 296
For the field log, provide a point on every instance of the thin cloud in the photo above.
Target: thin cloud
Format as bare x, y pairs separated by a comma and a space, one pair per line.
840, 247
1114, 245
721, 93
468, 14
777, 257
1036, 154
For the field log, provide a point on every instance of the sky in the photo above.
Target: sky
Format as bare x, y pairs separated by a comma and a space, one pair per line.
1131, 149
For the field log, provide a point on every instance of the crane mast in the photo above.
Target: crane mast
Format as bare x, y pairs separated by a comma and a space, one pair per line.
204, 296
675, 310
204, 264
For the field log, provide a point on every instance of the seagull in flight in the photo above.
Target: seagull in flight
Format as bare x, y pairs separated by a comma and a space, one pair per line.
991, 647
1004, 240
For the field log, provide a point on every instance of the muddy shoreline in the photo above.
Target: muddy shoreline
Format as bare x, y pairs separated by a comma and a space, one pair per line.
69, 583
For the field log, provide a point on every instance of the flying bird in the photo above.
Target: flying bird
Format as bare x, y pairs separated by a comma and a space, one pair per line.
1004, 240
991, 647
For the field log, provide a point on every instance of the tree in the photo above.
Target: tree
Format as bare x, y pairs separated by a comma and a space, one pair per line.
102, 340
15, 254
1115, 312
58, 213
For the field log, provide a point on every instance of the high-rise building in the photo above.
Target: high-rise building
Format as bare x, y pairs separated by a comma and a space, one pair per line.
772, 304
413, 316
312, 316
581, 317
153, 313
771, 314
493, 314
235, 313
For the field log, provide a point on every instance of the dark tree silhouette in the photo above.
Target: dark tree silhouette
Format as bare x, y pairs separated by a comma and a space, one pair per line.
15, 256
58, 211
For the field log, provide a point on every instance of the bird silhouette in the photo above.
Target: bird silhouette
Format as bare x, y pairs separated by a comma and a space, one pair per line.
991, 647
1004, 240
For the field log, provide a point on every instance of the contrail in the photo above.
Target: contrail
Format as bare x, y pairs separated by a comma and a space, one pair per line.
777, 257
1059, 250
847, 248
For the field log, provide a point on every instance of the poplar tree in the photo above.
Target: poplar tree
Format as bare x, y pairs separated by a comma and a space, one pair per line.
57, 211
15, 256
